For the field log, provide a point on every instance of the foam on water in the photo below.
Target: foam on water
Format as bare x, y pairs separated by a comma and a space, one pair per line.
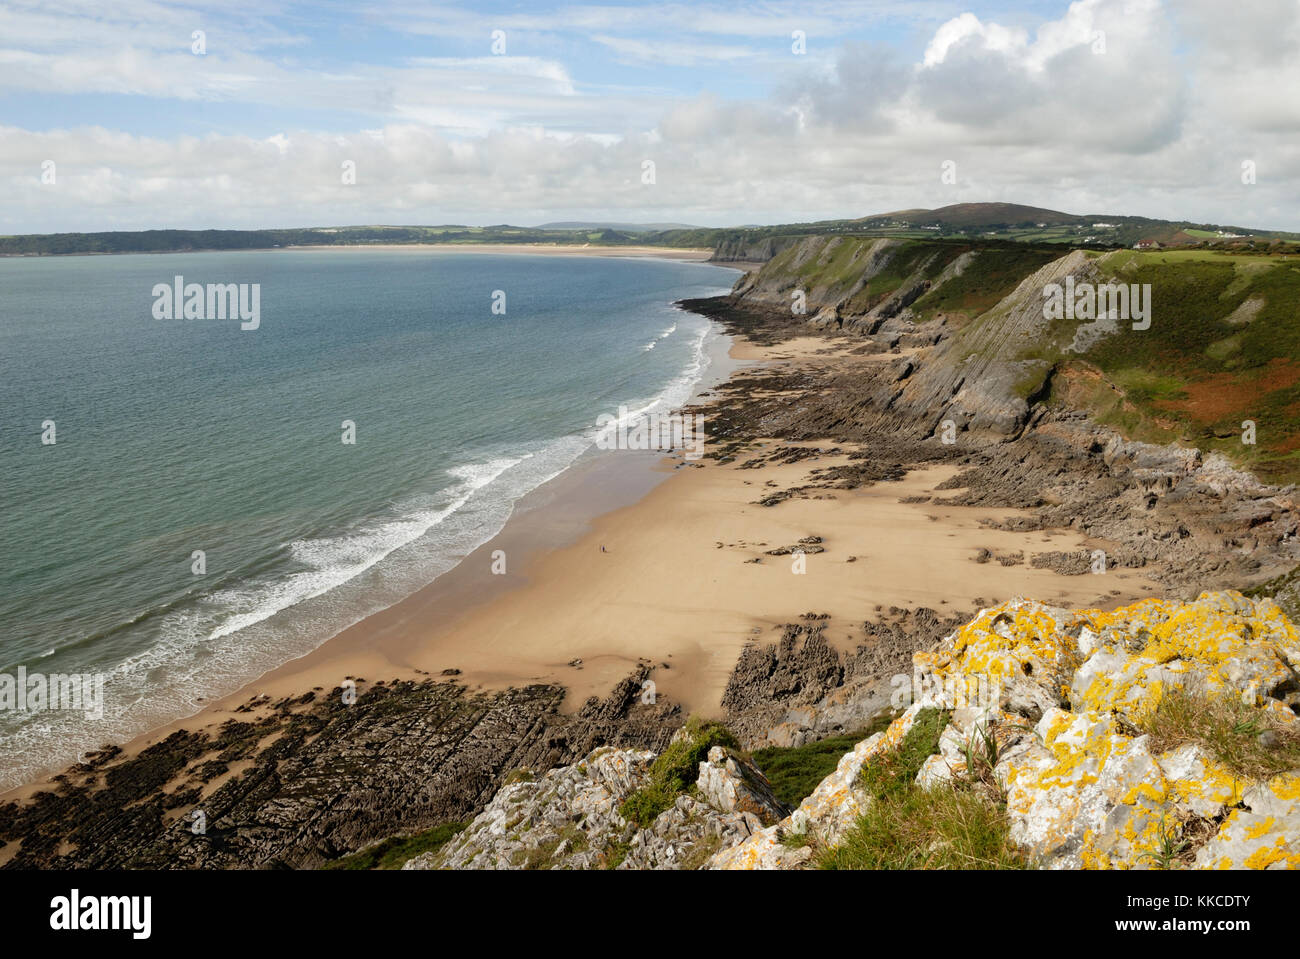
662, 336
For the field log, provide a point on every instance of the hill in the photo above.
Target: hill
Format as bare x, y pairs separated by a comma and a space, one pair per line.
180, 241
963, 221
620, 227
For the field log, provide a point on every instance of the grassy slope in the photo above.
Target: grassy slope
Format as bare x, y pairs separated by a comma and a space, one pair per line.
795, 771
905, 826
393, 853
1194, 376
993, 273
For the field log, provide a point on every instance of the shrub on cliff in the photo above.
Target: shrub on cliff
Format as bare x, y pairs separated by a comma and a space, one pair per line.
795, 771
675, 770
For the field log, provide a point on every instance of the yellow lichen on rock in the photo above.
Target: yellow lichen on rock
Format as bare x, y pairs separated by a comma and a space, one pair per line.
1063, 696
1083, 788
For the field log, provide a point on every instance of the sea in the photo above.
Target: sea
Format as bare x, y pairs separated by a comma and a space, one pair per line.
191, 497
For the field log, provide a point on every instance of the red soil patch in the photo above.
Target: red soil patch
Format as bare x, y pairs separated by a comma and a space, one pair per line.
1288, 445
1220, 395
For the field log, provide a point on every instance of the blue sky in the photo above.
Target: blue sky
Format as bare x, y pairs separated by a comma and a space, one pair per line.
1156, 118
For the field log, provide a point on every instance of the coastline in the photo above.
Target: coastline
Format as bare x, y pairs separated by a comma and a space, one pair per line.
660, 252
686, 584
548, 517
541, 249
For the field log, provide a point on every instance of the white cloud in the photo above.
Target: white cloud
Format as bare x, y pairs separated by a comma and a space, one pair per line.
967, 29
673, 52
1157, 124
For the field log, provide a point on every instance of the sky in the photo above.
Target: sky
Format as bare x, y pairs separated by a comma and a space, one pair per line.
244, 114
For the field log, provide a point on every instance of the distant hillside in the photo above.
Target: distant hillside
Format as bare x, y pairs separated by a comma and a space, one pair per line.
620, 227
1017, 222
963, 221
179, 241
981, 216
1002, 221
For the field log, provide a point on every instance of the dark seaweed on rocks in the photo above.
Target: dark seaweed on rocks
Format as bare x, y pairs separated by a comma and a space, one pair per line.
320, 782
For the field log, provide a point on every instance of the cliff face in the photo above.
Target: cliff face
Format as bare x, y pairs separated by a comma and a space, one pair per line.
578, 817
980, 367
1199, 349
744, 249
1161, 735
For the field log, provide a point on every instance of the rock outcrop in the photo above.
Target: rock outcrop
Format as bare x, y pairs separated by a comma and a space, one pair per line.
570, 818
1058, 704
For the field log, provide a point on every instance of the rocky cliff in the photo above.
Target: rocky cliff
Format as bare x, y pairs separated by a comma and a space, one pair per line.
981, 369
751, 249
1200, 349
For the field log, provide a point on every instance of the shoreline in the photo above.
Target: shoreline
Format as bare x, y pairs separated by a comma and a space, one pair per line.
690, 254
547, 517
685, 587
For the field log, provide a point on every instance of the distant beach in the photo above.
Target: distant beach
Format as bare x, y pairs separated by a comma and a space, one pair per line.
552, 249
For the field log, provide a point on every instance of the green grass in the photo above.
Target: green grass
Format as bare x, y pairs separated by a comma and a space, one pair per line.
909, 259
837, 267
1227, 729
795, 772
393, 853
944, 827
893, 772
675, 770
905, 826
1144, 386
993, 274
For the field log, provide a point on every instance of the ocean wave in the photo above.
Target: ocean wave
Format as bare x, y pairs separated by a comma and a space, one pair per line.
674, 394
334, 560
662, 336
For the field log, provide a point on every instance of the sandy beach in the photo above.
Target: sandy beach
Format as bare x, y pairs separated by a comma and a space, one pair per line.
637, 557
543, 249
